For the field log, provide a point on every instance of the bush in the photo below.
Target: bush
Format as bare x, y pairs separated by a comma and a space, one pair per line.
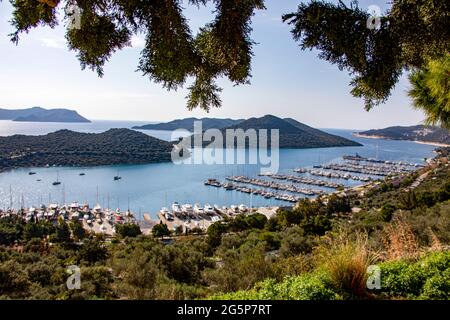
386, 212
306, 287
437, 287
128, 230
428, 277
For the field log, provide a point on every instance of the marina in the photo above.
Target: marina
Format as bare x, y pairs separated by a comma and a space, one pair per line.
94, 219
153, 186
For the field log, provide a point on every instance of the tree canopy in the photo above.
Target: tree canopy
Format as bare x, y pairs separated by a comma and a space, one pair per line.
413, 35
171, 54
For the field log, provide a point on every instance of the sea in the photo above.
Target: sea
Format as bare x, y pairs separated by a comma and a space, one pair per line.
147, 188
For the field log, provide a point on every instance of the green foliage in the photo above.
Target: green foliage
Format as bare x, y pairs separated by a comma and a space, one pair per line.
92, 251
11, 229
78, 231
62, 233
68, 148
38, 230
305, 287
160, 231
128, 230
171, 54
409, 34
338, 204
426, 277
386, 212
430, 91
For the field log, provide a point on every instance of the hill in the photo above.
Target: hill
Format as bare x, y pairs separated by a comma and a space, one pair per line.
188, 124
419, 133
38, 114
68, 148
293, 134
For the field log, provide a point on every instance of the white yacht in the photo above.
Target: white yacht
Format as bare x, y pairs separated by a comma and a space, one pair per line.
198, 209
208, 209
243, 208
176, 208
187, 208
74, 206
166, 213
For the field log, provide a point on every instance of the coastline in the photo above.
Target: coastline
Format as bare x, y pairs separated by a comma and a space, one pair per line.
437, 144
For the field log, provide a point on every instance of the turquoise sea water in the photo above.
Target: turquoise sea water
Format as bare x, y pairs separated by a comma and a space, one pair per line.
147, 188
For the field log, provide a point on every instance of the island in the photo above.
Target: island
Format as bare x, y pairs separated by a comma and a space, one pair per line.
292, 134
188, 124
420, 133
69, 148
38, 114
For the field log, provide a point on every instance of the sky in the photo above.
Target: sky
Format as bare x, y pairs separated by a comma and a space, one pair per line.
286, 81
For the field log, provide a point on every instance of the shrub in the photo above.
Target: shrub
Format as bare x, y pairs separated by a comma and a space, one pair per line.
427, 278
437, 287
128, 230
386, 212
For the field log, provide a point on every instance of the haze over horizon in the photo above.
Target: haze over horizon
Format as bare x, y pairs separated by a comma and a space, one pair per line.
286, 82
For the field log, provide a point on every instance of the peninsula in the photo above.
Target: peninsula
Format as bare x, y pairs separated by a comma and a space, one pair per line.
69, 148
420, 133
38, 114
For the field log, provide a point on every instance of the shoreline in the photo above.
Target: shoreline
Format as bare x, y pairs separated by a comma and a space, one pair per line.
437, 144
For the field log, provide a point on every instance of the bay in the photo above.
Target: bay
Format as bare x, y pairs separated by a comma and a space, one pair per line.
147, 188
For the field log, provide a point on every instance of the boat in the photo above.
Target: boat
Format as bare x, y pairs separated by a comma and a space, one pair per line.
198, 209
31, 173
169, 216
82, 174
187, 208
234, 208
243, 208
228, 186
208, 209
117, 177
176, 209
57, 182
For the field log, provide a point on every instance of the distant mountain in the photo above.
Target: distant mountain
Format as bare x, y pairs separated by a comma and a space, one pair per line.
188, 124
419, 133
294, 134
38, 114
68, 148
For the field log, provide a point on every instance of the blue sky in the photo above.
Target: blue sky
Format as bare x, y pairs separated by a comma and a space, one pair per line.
286, 82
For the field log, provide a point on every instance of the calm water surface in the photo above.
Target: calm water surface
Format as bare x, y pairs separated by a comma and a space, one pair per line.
147, 188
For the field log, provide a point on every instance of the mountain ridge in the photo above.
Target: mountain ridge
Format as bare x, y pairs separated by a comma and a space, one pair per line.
292, 134
188, 124
418, 133
39, 114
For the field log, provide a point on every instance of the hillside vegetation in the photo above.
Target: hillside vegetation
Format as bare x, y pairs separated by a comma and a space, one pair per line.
319, 250
68, 148
413, 133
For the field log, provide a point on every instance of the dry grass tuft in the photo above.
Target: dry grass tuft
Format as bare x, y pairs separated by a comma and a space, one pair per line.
346, 261
400, 241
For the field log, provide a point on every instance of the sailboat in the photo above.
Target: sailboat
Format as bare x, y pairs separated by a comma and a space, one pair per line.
117, 178
57, 182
